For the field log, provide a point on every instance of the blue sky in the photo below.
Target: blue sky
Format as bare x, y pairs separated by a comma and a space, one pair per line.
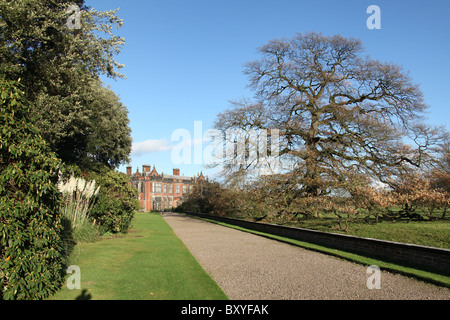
184, 58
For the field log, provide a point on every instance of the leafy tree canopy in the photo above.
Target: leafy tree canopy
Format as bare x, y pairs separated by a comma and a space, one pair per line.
60, 69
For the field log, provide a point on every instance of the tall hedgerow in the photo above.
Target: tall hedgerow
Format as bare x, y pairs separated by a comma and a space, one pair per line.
31, 232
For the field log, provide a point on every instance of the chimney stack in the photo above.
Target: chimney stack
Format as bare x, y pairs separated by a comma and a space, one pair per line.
176, 172
129, 168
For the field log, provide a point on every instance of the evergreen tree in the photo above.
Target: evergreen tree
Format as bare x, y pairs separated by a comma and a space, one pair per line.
59, 63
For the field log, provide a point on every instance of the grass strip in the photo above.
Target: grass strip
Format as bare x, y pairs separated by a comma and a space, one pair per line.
149, 263
426, 276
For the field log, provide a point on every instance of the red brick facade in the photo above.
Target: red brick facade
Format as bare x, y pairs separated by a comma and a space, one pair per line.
161, 191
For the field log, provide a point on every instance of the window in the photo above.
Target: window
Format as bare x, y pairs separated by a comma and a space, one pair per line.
164, 188
170, 188
158, 187
177, 189
184, 189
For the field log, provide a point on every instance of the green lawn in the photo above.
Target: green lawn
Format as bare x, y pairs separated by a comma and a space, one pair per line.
149, 263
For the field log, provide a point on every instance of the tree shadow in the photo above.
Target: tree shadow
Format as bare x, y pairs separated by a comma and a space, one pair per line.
84, 295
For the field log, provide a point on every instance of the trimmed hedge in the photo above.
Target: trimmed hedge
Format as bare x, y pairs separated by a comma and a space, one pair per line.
31, 229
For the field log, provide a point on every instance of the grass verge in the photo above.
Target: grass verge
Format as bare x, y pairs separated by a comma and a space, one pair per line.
149, 263
415, 273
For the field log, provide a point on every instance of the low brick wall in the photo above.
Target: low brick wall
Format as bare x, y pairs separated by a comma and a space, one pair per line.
425, 258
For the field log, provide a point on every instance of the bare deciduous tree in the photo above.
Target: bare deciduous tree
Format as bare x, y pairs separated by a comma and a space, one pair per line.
337, 111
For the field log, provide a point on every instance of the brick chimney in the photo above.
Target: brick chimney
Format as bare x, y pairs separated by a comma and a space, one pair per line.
146, 168
129, 168
176, 172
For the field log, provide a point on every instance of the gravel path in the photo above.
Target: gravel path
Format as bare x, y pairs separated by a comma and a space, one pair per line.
249, 267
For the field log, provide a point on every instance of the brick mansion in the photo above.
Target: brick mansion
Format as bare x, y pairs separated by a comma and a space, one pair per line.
159, 191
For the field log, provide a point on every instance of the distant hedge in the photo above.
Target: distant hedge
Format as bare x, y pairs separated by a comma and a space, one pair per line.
31, 231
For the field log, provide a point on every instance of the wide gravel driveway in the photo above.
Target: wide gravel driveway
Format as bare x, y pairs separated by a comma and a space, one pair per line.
249, 267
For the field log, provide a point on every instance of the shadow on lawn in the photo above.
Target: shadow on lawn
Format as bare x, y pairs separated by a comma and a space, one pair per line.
84, 296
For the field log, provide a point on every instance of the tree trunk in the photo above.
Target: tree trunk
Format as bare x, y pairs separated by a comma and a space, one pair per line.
313, 180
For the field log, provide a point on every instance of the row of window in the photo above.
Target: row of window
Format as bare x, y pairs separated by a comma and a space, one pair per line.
166, 188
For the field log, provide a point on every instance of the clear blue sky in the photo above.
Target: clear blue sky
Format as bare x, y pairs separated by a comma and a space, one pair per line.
184, 58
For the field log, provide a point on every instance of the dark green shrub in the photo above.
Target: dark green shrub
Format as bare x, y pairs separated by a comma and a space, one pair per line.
31, 231
116, 203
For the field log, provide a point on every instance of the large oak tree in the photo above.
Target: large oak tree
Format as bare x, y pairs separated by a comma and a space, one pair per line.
340, 114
